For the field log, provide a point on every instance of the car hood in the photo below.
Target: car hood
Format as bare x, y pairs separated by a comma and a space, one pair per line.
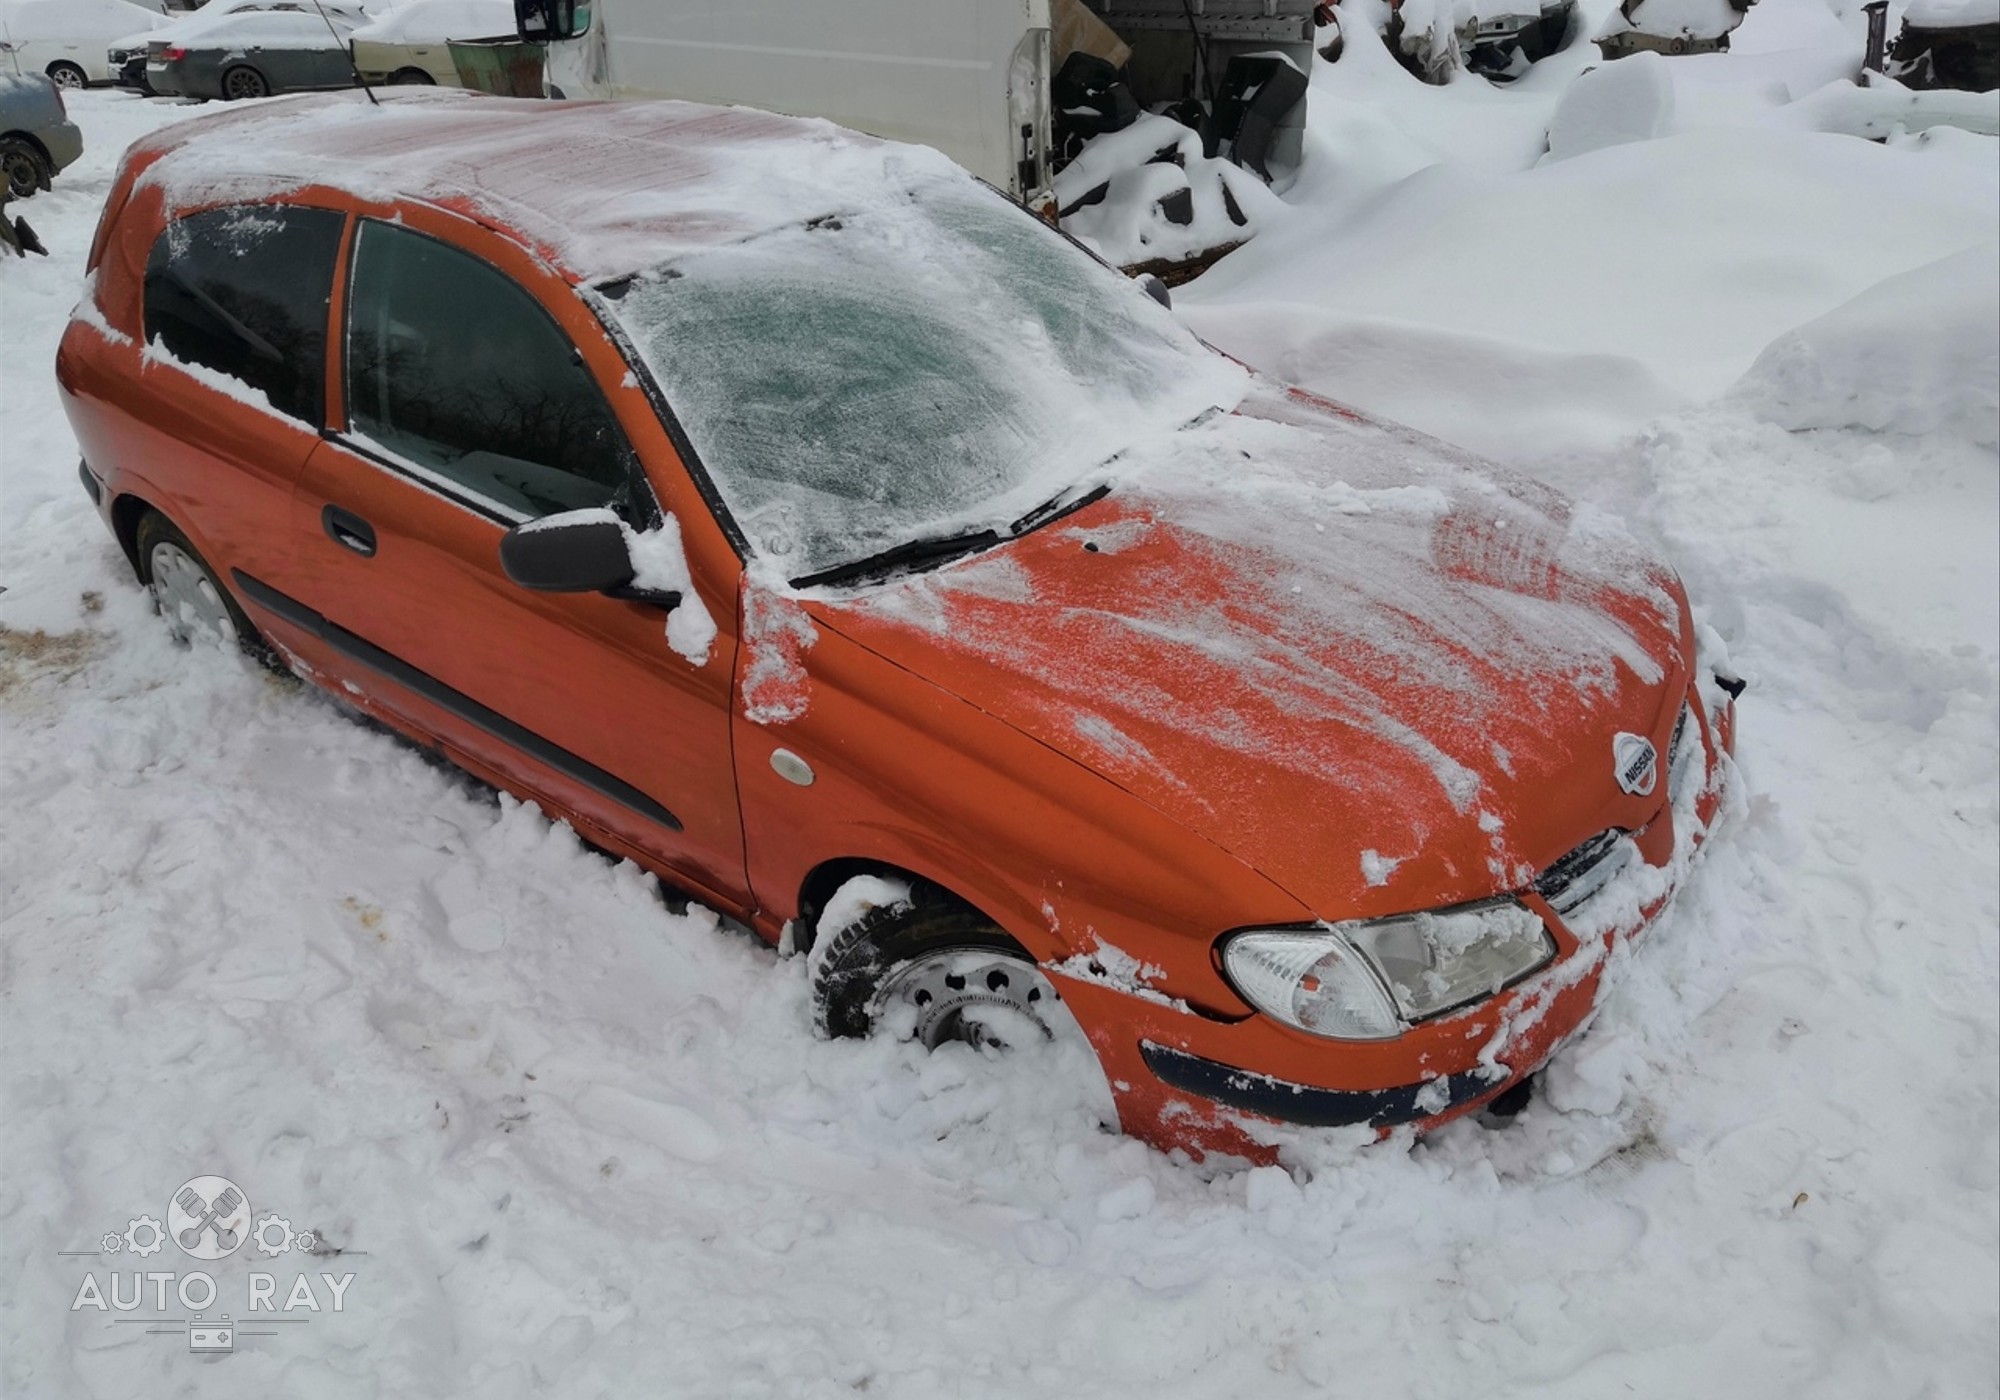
1382, 674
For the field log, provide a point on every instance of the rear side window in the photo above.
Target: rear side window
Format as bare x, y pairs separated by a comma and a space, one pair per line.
244, 290
452, 366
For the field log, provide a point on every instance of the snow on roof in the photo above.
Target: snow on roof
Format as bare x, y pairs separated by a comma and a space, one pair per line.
599, 188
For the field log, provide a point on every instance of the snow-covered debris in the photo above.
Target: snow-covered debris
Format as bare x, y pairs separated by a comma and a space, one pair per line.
1917, 353
1147, 194
1631, 100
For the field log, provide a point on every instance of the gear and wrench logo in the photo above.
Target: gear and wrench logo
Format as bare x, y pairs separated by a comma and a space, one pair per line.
209, 1218
144, 1236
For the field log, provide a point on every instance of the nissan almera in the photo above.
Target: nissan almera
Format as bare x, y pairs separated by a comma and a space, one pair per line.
801, 519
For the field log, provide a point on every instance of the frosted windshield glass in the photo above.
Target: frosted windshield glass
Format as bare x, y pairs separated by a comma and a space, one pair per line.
913, 370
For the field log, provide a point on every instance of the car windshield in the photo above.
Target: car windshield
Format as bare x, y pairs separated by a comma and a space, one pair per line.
931, 366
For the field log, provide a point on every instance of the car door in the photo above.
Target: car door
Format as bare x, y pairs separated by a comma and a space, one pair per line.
230, 399
469, 408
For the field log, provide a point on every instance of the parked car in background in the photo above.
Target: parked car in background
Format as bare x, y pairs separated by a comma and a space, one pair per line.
805, 520
411, 43
128, 55
37, 138
252, 54
67, 39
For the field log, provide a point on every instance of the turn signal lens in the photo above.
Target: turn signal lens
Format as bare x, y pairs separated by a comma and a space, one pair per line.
1313, 981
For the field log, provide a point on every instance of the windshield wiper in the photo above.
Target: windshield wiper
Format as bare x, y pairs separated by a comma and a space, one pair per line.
939, 548
903, 556
1056, 507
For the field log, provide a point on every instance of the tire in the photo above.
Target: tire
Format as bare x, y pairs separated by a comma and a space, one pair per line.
68, 76
412, 77
933, 969
187, 594
244, 82
26, 169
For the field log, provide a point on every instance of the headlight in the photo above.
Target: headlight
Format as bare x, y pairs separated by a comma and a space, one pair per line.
1313, 981
1435, 961
1365, 980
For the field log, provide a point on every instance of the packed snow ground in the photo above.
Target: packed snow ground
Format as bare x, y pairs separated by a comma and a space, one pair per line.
574, 1143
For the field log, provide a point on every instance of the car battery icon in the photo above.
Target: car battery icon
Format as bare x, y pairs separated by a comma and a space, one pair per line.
211, 1336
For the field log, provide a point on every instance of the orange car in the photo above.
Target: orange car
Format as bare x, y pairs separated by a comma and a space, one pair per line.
794, 515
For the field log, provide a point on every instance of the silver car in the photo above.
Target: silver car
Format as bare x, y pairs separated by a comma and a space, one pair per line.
253, 54
37, 138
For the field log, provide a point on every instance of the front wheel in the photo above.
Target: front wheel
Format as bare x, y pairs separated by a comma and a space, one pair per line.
925, 967
68, 76
243, 82
412, 77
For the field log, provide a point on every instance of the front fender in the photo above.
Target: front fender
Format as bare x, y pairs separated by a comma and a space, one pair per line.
908, 775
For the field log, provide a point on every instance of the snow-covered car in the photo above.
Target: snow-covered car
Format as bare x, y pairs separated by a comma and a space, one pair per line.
252, 54
67, 39
127, 56
37, 138
811, 524
411, 43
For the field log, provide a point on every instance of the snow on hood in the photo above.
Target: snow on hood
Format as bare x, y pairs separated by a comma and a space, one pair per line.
1353, 658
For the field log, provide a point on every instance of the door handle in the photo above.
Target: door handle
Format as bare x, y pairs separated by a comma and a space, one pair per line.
349, 531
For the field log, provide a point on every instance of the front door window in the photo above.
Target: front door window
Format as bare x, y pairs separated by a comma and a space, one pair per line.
454, 369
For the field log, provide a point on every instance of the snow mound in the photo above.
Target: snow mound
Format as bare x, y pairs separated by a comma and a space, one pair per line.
1917, 353
1614, 105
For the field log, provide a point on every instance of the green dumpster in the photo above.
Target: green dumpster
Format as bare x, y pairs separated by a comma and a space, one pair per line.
502, 67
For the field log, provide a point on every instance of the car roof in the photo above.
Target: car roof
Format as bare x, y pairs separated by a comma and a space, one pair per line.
599, 189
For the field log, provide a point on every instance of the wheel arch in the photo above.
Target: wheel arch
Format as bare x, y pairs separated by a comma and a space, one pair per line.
127, 511
33, 141
828, 876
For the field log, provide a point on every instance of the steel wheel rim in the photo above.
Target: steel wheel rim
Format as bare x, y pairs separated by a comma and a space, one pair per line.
973, 995
22, 176
187, 598
243, 83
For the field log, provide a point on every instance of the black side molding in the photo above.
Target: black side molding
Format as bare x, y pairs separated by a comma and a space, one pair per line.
90, 483
457, 702
1299, 1103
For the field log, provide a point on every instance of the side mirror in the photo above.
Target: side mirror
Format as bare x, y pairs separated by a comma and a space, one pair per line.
1156, 289
579, 551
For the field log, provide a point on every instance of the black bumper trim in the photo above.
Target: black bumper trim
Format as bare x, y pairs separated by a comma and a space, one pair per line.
1302, 1104
578, 770
91, 484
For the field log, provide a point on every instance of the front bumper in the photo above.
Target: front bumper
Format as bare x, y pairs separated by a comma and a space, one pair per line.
129, 69
1212, 1086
